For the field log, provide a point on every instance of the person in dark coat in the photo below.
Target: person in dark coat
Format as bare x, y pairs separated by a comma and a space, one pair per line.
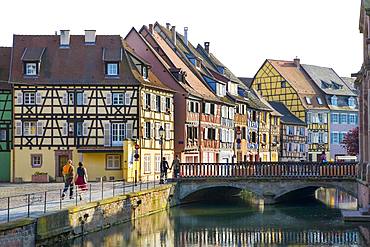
176, 167
164, 169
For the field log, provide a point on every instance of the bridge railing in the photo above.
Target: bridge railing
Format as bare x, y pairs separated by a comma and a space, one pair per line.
269, 169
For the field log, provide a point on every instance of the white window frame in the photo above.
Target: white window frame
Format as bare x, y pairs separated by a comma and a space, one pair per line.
2, 134
118, 133
79, 98
118, 98
342, 118
36, 160
31, 68
335, 137
157, 163
308, 100
352, 119
28, 127
29, 98
334, 100
147, 163
351, 102
332, 118
147, 130
167, 129
112, 69
319, 100
113, 162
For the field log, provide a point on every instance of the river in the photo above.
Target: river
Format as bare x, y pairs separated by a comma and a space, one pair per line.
234, 223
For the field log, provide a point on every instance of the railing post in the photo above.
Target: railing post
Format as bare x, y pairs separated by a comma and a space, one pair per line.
60, 198
90, 193
113, 188
45, 201
8, 208
102, 189
28, 205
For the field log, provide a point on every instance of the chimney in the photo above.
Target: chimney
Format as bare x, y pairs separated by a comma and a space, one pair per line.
173, 31
168, 25
151, 28
64, 38
186, 35
206, 46
297, 62
90, 36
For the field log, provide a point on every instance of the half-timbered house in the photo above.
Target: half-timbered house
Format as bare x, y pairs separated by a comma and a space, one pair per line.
286, 82
6, 103
293, 135
80, 97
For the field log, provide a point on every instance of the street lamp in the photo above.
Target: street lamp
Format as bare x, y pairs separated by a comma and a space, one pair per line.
161, 132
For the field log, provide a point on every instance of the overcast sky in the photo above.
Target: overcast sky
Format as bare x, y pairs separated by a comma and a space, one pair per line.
242, 33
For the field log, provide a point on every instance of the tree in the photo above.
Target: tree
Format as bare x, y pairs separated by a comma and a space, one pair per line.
351, 142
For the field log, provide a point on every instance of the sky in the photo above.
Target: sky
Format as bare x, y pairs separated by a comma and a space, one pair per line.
242, 33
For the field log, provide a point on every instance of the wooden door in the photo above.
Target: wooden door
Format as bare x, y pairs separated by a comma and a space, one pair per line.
62, 160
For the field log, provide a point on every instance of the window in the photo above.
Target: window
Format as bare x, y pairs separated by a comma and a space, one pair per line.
118, 98
167, 128
335, 137
290, 130
112, 69
145, 72
301, 148
71, 98
36, 160
319, 100
147, 163
321, 137
29, 128
258, 86
3, 135
79, 128
147, 101
254, 116
254, 137
118, 133
31, 69
212, 109
352, 119
264, 138
283, 84
147, 132
290, 147
308, 100
113, 162
168, 104
158, 163
158, 103
321, 118
301, 131
341, 136
29, 98
351, 102
343, 118
310, 138
79, 98
335, 118
334, 100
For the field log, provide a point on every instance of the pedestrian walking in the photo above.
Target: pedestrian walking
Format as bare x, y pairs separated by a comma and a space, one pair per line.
164, 168
323, 158
176, 167
68, 175
81, 180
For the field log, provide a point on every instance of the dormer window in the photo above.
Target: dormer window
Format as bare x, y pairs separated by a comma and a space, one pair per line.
319, 100
31, 68
198, 63
308, 100
221, 69
334, 100
144, 72
351, 102
111, 69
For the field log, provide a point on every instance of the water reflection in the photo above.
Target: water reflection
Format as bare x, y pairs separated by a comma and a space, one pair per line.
336, 199
237, 224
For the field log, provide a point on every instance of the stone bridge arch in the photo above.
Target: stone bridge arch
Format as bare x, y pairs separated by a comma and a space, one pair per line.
271, 190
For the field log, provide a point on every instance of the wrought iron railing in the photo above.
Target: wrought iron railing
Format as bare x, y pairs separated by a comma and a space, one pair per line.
269, 170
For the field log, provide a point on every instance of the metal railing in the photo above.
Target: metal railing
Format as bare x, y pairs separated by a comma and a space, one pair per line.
38, 203
269, 170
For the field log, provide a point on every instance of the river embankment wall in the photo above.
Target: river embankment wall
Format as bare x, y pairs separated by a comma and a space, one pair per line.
78, 220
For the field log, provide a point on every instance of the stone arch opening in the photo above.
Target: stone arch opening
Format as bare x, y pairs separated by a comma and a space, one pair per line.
213, 193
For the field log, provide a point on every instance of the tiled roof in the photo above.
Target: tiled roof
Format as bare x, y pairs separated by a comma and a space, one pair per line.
287, 116
301, 83
327, 80
78, 64
33, 54
247, 81
5, 53
350, 82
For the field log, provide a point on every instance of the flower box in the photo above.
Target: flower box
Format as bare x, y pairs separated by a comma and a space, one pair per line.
40, 178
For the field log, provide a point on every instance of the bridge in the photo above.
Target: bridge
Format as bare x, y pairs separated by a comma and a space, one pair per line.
270, 181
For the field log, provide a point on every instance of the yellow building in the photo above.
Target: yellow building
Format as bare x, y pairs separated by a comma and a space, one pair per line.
79, 97
286, 82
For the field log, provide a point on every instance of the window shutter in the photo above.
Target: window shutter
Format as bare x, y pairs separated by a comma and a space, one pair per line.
18, 128
129, 130
65, 129
127, 99
107, 139
217, 134
85, 99
163, 105
38, 98
152, 102
205, 133
171, 105
325, 118
40, 128
65, 99
108, 99
144, 130
325, 137
85, 129
19, 98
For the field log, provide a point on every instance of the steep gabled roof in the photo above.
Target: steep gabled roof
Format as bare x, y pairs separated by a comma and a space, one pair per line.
287, 116
78, 64
247, 81
327, 80
5, 54
350, 82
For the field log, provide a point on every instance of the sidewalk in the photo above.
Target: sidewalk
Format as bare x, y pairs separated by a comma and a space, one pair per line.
44, 198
